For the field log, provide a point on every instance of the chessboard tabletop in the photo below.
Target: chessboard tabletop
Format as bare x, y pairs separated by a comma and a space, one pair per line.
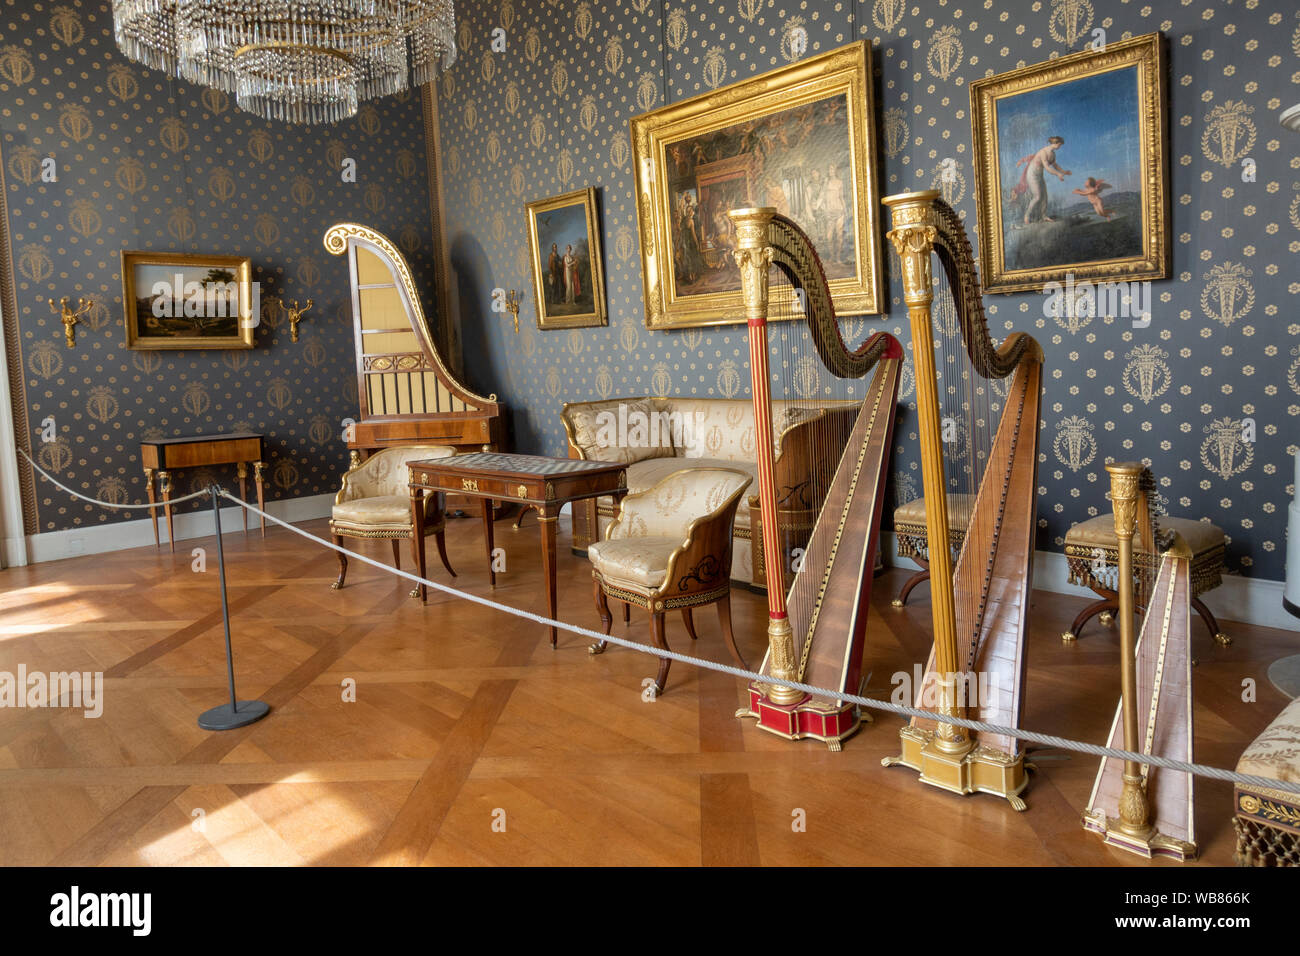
511, 465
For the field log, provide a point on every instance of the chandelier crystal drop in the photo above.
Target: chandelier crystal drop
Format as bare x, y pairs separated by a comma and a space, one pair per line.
297, 61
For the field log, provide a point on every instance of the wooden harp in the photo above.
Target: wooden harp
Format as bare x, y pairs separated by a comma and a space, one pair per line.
978, 605
816, 630
1134, 806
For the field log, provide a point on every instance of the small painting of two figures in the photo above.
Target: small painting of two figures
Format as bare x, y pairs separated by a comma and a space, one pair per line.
1070, 158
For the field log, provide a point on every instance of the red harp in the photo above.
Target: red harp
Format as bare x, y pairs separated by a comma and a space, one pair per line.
820, 536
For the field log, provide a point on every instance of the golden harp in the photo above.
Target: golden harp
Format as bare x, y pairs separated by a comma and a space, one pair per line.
816, 629
1140, 808
978, 605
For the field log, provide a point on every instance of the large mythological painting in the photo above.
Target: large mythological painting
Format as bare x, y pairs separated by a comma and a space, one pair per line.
1070, 161
798, 139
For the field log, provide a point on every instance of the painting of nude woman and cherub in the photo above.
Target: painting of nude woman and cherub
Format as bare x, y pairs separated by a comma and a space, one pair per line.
1075, 176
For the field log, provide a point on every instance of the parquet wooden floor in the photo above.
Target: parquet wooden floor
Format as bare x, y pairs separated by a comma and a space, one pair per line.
465, 718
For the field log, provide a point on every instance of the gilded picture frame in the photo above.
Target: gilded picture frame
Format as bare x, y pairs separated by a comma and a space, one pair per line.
800, 138
181, 300
564, 249
1072, 168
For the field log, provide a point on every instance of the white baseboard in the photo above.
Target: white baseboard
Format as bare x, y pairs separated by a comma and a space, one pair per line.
1249, 600
98, 539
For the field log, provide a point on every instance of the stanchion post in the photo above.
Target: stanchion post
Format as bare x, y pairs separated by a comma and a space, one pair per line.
237, 713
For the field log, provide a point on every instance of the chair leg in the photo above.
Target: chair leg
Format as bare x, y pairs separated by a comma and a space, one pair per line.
627, 613
657, 633
918, 578
343, 563
397, 553
606, 618
690, 623
724, 619
441, 537
1104, 606
1223, 640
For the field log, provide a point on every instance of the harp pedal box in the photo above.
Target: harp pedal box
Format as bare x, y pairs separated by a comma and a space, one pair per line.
975, 770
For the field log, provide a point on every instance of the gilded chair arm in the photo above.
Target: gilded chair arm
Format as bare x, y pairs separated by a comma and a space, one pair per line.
696, 505
353, 480
703, 561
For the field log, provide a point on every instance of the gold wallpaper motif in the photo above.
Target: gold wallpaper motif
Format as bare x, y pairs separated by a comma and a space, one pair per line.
145, 162
1196, 391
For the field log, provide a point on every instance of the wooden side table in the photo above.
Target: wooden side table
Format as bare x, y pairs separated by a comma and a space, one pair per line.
535, 481
165, 455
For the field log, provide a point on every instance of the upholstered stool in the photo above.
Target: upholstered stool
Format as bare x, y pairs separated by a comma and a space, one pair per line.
914, 542
670, 550
1091, 550
375, 502
1267, 820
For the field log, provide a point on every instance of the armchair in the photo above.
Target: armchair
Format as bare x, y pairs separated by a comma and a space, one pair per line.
375, 502
670, 549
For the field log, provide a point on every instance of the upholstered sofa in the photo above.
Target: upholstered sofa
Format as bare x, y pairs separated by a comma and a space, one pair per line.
708, 433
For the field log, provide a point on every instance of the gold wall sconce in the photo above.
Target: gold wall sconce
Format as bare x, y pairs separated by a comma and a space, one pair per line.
70, 317
512, 306
295, 316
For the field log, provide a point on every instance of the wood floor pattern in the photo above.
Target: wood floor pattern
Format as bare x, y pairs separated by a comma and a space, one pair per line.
472, 742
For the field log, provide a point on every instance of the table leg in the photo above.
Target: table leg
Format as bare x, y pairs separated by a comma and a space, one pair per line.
489, 514
153, 500
417, 539
241, 471
547, 524
165, 483
261, 502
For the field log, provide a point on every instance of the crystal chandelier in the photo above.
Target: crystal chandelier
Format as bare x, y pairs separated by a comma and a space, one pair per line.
299, 61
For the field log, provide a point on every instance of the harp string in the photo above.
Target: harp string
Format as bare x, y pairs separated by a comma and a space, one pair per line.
802, 386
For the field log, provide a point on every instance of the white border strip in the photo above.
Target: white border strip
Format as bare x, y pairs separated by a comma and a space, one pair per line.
1249, 600
138, 533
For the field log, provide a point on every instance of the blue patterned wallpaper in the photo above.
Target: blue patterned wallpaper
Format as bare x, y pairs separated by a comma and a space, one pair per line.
1220, 360
146, 162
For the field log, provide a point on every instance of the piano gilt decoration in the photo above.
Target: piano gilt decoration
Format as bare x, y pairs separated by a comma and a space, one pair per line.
1137, 807
816, 630
406, 393
979, 619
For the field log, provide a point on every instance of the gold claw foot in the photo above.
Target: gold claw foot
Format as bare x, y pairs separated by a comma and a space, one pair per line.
743, 712
1016, 803
1068, 637
833, 746
1106, 618
890, 761
596, 648
896, 602
415, 592
1223, 640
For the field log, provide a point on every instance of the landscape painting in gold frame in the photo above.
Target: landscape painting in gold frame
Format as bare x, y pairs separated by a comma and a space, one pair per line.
1071, 168
800, 138
181, 300
564, 246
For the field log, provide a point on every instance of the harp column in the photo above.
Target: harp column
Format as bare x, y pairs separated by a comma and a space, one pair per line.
913, 236
754, 257
1134, 812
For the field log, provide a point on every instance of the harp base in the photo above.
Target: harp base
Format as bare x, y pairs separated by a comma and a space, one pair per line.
1150, 843
978, 770
827, 721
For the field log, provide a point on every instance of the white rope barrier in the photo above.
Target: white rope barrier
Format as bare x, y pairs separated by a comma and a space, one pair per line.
1048, 740
106, 504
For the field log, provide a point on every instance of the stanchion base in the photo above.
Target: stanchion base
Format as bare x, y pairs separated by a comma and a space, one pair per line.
223, 718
